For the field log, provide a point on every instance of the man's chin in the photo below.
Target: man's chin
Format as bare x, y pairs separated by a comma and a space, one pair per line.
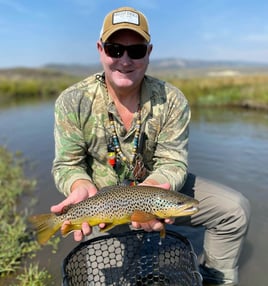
123, 81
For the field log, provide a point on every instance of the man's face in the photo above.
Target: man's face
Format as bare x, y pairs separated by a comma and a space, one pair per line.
124, 72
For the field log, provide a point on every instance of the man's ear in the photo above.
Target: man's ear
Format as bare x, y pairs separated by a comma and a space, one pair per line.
99, 46
150, 48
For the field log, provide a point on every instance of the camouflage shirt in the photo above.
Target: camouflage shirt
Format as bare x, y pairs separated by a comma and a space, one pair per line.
82, 132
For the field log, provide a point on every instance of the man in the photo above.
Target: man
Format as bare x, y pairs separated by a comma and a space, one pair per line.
125, 127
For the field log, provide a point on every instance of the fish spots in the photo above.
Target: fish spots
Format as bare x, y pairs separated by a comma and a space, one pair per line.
117, 205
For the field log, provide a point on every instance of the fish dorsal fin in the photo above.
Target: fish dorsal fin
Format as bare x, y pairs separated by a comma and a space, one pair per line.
106, 189
141, 216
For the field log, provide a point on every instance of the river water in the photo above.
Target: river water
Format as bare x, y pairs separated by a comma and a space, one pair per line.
226, 145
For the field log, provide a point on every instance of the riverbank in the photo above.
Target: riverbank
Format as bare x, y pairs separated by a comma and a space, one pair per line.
23, 84
244, 91
248, 91
17, 246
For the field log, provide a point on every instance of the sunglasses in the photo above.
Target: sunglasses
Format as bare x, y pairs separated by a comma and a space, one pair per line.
135, 52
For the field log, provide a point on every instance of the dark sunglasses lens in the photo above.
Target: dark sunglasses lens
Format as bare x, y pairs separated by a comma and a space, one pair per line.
137, 51
113, 50
116, 51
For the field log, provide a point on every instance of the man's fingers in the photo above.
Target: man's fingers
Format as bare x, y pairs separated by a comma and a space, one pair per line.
102, 225
78, 235
165, 186
136, 225
169, 220
154, 225
59, 207
86, 229
157, 225
56, 208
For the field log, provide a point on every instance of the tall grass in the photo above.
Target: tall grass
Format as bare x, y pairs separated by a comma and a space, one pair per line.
242, 91
16, 241
18, 90
249, 91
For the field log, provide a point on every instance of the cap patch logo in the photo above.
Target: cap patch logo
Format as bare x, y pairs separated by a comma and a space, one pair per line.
126, 17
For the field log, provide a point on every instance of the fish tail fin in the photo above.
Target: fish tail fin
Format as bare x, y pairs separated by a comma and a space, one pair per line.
45, 226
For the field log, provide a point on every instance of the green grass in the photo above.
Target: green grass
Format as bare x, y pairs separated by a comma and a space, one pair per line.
240, 91
33, 276
250, 91
17, 90
19, 85
16, 241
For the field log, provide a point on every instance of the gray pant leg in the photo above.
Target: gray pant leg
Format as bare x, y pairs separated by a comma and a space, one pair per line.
225, 214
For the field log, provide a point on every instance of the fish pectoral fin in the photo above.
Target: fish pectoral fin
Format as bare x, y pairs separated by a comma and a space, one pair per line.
163, 232
141, 216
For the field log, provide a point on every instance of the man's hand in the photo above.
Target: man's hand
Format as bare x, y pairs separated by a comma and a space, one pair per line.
81, 190
153, 225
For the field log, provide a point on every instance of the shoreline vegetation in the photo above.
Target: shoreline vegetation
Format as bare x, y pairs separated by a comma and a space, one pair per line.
18, 247
217, 90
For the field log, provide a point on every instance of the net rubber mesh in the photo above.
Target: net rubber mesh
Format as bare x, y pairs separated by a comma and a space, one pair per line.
132, 258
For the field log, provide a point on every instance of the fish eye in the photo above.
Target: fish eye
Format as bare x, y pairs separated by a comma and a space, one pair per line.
179, 203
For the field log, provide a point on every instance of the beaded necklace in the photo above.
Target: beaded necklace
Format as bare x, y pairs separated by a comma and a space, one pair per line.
116, 143
136, 170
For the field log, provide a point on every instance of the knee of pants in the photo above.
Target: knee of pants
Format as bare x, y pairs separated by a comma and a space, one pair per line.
239, 212
244, 212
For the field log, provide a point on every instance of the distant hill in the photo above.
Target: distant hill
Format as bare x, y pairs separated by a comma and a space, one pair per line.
173, 66
75, 69
19, 73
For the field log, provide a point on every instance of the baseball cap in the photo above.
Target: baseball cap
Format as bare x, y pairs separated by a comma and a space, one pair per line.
125, 18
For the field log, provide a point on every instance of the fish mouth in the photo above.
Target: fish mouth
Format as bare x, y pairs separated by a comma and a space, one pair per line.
190, 210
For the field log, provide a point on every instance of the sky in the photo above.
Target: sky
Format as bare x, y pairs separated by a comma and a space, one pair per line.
34, 33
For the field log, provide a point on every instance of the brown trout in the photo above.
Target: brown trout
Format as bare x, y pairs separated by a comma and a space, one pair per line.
115, 205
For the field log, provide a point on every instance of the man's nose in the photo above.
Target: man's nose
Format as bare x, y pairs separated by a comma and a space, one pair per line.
125, 57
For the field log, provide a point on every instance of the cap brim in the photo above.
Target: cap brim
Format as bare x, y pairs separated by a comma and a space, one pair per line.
107, 34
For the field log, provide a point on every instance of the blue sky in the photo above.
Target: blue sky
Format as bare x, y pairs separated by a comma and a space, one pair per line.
36, 32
